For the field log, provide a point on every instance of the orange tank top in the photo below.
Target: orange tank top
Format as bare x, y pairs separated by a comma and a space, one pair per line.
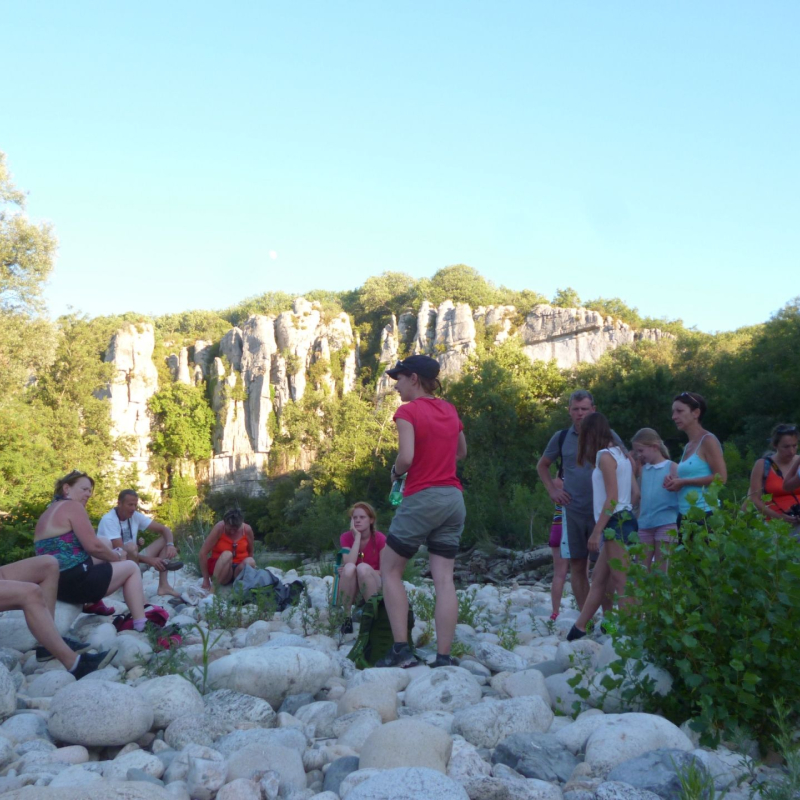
240, 548
781, 501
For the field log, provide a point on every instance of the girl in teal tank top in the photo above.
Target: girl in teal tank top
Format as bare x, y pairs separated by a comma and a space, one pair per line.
702, 459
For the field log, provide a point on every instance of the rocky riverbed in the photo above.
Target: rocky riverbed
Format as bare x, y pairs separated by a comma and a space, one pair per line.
285, 714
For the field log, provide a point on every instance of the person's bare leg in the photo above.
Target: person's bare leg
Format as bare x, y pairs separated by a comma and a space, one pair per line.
618, 577
662, 556
650, 557
125, 574
155, 550
369, 582
600, 580
446, 611
560, 567
41, 570
347, 586
29, 597
578, 568
394, 593
223, 571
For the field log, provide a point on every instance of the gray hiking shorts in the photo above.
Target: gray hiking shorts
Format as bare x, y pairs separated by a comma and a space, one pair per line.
579, 529
434, 517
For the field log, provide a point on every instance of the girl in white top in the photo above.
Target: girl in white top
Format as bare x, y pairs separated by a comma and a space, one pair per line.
615, 493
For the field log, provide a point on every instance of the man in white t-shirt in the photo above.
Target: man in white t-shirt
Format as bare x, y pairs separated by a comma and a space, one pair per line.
120, 528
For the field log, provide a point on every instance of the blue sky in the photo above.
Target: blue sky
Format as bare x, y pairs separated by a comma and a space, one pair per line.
640, 150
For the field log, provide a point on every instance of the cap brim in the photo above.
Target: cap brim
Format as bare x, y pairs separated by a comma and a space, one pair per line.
395, 373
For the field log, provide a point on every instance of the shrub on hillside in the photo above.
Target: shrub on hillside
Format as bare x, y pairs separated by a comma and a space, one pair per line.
723, 622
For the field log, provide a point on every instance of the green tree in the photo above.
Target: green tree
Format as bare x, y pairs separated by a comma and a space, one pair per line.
269, 304
182, 423
616, 308
26, 250
566, 298
387, 293
461, 284
505, 402
524, 301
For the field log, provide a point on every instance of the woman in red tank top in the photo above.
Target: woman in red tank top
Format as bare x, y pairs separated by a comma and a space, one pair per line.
226, 550
784, 505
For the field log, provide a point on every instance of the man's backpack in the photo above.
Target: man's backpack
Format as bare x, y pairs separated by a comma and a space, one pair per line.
375, 633
252, 583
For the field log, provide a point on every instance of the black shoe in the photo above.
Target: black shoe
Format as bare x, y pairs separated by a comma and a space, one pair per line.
402, 657
347, 625
444, 661
89, 662
43, 654
574, 634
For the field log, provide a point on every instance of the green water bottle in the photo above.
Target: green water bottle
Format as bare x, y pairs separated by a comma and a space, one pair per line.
396, 495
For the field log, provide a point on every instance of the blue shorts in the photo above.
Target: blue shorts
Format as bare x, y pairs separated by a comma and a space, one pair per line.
623, 525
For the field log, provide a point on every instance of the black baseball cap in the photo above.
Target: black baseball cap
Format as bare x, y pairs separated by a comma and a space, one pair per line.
424, 366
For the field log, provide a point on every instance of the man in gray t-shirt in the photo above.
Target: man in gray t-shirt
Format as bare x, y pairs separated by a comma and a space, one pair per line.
576, 496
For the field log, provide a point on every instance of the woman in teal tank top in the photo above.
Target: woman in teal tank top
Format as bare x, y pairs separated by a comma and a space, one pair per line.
702, 459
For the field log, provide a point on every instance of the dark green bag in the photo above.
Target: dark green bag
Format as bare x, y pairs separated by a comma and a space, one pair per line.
375, 633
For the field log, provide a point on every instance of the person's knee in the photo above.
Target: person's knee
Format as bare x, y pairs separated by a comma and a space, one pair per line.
250, 561
30, 595
348, 570
127, 569
578, 563
225, 558
49, 566
364, 572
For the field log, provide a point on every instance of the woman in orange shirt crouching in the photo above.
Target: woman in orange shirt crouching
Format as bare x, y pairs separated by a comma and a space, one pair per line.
226, 550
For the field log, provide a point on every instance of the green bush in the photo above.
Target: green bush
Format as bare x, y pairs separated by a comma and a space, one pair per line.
723, 623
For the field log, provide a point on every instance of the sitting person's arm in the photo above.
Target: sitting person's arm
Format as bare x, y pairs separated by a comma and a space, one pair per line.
205, 552
169, 539
90, 541
350, 540
791, 483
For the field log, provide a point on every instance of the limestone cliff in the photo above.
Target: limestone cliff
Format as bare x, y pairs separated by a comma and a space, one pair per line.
268, 362
271, 359
134, 382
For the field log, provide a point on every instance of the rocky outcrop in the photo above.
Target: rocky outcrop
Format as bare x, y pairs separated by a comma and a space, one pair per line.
270, 362
134, 382
455, 337
263, 366
571, 336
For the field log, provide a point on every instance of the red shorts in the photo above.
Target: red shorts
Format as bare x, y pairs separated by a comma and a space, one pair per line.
212, 562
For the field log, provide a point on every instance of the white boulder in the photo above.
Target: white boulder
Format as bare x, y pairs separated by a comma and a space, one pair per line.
98, 713
487, 724
443, 689
170, 696
271, 673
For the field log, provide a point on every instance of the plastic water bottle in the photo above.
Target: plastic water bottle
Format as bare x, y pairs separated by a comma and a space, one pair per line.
396, 495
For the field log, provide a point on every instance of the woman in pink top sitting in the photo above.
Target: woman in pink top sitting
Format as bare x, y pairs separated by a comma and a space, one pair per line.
360, 570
